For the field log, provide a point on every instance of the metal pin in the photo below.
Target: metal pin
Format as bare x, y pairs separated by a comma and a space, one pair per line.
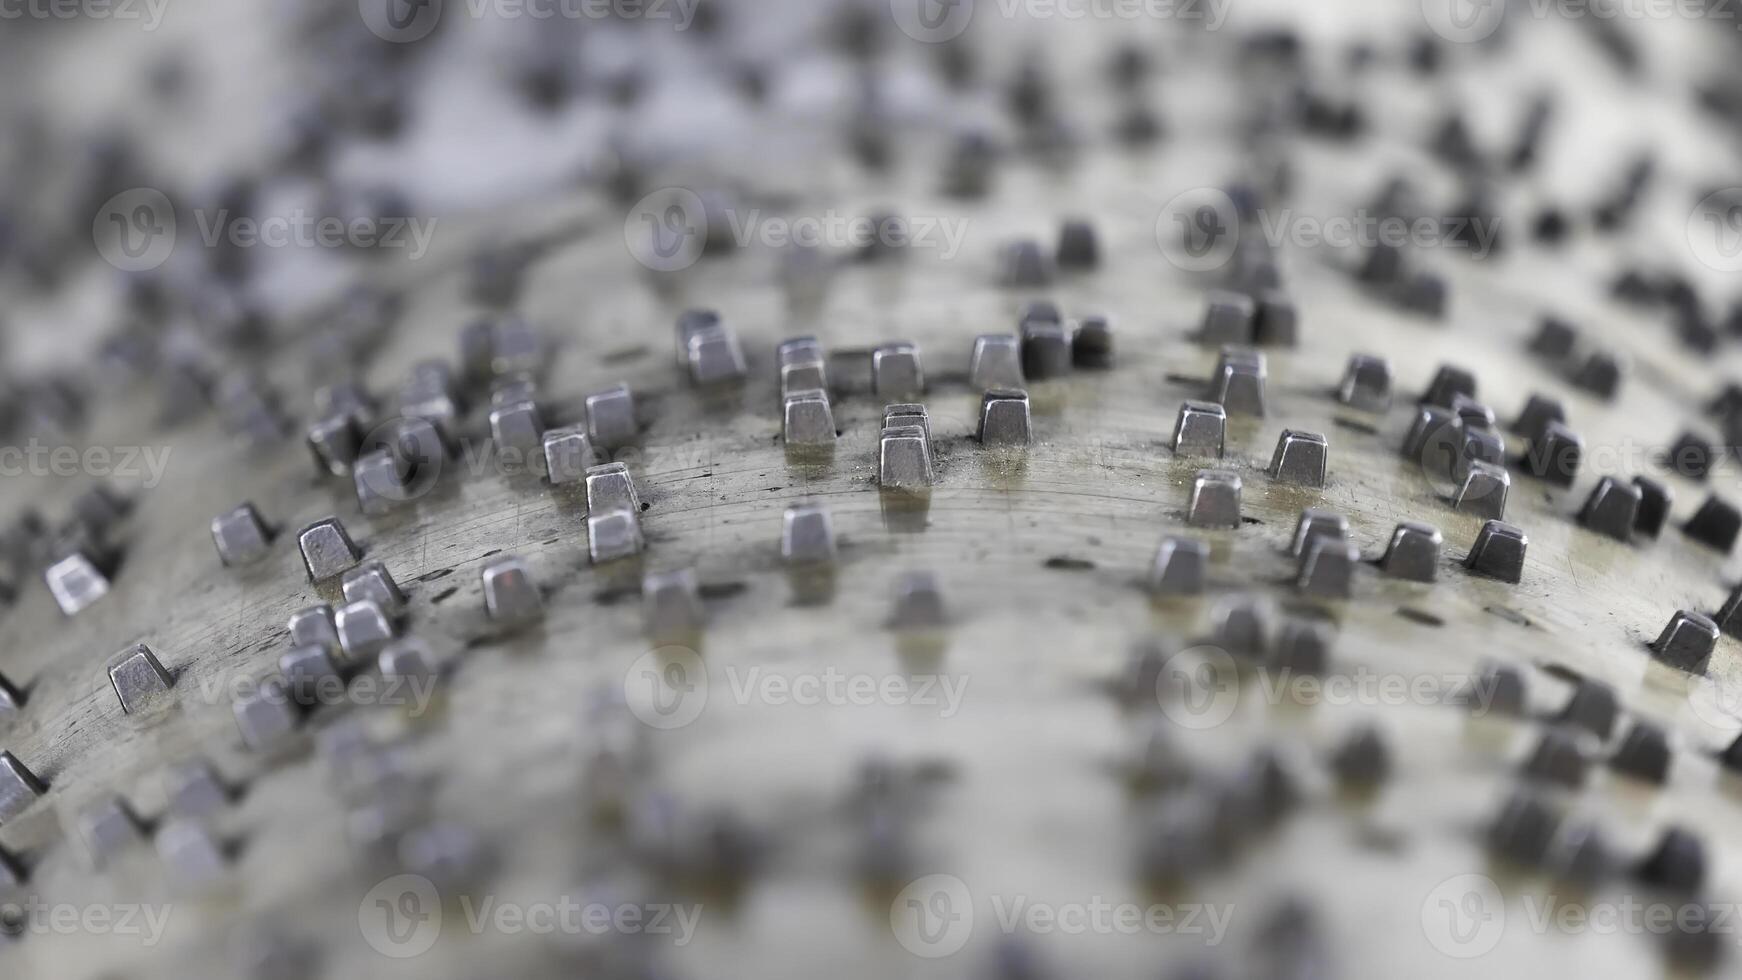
407, 658
1315, 524
334, 441
1414, 552
379, 486
1555, 454
1180, 567
314, 626
1300, 458
518, 433
1004, 417
1046, 349
996, 362
1278, 321
1686, 643
510, 596
1362, 760
19, 787
307, 671
1327, 568
1678, 863
77, 580
1229, 318
609, 487
327, 550
1092, 343
802, 365
1554, 338
1715, 525
807, 418
1078, 247
1025, 265
1432, 439
568, 454
807, 536
12, 870
107, 827
710, 348
1644, 753
364, 628
193, 856
1303, 648
613, 534
1498, 690
1611, 509
1557, 759
137, 677
1600, 375
1215, 499
1484, 491
1472, 413
1200, 429
1241, 627
671, 605
1449, 381
192, 789
919, 603
1238, 385
371, 580
907, 414
11, 700
1366, 383
895, 370
1523, 829
904, 458
1498, 552
611, 417
264, 715
1539, 411
1475, 445
1593, 707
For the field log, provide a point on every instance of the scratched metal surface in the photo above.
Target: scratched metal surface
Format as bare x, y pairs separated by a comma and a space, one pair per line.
1040, 555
